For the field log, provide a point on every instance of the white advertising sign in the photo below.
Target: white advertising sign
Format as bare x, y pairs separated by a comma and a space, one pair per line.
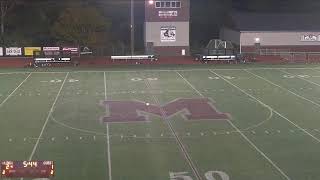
72, 49
168, 34
1, 51
168, 14
51, 48
13, 51
310, 37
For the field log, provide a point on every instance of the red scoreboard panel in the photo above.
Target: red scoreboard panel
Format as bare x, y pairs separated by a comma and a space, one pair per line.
27, 169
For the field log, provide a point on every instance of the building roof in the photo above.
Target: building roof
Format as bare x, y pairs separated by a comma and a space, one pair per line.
276, 22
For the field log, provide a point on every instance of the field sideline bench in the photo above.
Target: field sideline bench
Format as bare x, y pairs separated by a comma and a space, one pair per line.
52, 60
135, 57
219, 58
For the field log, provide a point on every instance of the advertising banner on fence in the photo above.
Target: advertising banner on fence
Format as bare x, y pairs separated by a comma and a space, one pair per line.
73, 50
51, 48
51, 51
28, 51
13, 51
1, 51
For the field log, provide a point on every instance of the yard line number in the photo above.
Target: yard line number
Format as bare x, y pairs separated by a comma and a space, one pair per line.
299, 76
60, 81
210, 175
294, 76
140, 79
217, 78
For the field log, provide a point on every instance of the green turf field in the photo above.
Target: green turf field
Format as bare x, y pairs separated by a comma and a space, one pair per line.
270, 129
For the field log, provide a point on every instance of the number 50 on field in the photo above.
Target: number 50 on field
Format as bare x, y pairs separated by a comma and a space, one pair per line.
210, 175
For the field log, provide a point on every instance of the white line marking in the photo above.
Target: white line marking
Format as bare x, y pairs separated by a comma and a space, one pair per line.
108, 136
76, 129
283, 88
175, 134
48, 117
238, 130
5, 100
300, 77
160, 70
296, 125
9, 73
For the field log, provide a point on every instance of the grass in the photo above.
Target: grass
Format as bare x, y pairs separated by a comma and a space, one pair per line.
273, 131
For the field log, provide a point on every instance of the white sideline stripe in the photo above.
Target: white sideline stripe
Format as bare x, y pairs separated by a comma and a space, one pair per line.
238, 130
48, 117
159, 70
5, 100
311, 82
9, 73
283, 88
108, 136
296, 125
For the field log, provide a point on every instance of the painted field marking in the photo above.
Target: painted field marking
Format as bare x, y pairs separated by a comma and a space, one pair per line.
48, 117
174, 133
6, 99
307, 80
108, 136
77, 129
270, 82
160, 70
296, 125
10, 73
238, 130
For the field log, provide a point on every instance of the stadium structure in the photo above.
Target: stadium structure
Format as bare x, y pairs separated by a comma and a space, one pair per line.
167, 27
273, 33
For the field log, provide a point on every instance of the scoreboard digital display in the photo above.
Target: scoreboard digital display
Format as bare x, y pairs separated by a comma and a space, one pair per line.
27, 169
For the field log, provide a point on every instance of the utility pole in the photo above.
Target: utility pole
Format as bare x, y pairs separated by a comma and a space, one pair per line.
132, 27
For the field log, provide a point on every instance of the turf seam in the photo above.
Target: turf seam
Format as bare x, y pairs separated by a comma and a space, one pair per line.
179, 142
294, 124
311, 82
238, 130
270, 82
107, 127
10, 95
48, 117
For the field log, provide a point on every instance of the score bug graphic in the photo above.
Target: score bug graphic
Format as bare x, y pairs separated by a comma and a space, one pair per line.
27, 169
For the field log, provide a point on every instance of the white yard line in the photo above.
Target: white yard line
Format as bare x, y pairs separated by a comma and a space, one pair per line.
6, 99
240, 132
311, 82
174, 133
270, 82
48, 117
108, 136
294, 124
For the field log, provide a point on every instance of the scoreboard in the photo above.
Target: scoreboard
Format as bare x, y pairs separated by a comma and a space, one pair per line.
27, 169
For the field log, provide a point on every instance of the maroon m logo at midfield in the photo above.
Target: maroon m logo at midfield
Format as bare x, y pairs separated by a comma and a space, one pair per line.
136, 111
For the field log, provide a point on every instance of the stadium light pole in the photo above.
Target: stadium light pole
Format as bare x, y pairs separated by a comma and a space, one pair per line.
132, 27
